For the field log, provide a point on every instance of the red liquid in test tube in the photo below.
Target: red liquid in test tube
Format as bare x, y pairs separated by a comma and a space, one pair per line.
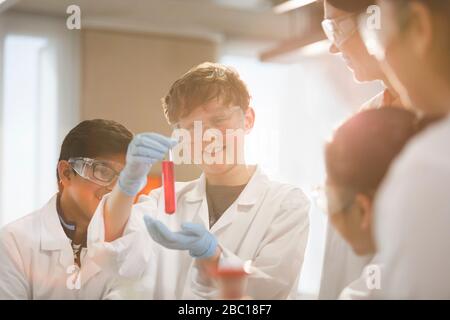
169, 184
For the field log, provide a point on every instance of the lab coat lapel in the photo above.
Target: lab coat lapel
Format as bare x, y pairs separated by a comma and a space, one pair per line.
53, 237
196, 203
246, 204
89, 268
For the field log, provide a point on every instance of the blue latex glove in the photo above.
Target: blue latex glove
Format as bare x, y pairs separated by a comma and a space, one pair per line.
193, 237
143, 151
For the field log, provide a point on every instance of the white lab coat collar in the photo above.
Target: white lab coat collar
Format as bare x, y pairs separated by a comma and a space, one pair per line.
52, 234
252, 193
249, 196
197, 193
254, 189
53, 238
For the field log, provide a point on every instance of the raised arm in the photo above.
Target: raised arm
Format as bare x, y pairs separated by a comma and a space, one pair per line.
144, 150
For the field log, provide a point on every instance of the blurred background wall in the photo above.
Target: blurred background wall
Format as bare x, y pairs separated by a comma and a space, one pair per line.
125, 75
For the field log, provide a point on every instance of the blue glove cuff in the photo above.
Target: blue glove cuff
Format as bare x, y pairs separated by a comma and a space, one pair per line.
130, 187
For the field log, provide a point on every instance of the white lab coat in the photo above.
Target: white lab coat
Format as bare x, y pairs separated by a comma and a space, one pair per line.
341, 267
267, 224
368, 282
37, 262
412, 213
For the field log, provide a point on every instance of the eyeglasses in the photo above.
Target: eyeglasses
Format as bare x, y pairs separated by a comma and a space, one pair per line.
328, 200
220, 120
100, 172
339, 30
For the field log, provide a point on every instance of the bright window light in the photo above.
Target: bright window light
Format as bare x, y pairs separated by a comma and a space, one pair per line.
28, 126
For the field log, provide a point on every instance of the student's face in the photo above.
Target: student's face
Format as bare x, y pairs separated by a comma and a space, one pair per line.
85, 194
224, 119
364, 66
353, 221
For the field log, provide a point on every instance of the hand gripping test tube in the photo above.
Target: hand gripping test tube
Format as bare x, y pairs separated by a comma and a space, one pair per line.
169, 184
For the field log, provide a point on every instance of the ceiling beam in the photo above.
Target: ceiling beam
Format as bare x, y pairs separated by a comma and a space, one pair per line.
6, 4
290, 45
290, 5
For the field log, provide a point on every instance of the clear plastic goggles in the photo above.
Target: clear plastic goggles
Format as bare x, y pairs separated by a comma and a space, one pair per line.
100, 172
339, 30
221, 120
329, 201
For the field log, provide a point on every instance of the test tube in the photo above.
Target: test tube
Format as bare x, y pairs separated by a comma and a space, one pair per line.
168, 184
231, 283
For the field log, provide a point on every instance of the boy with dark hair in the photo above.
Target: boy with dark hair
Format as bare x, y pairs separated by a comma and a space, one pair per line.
46, 255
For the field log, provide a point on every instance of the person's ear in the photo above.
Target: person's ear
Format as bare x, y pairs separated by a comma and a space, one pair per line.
64, 172
420, 28
364, 203
249, 119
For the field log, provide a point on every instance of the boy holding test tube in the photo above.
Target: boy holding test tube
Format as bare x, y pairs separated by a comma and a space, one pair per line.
233, 212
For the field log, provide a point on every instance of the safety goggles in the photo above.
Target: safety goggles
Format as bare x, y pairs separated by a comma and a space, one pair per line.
339, 30
101, 172
329, 201
220, 119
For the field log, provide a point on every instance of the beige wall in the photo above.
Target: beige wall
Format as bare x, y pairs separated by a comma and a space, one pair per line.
124, 75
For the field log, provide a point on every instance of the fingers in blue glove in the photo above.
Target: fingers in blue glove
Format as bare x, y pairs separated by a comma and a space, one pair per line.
156, 140
151, 145
167, 238
193, 237
207, 249
157, 228
208, 241
158, 231
143, 147
193, 228
144, 150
